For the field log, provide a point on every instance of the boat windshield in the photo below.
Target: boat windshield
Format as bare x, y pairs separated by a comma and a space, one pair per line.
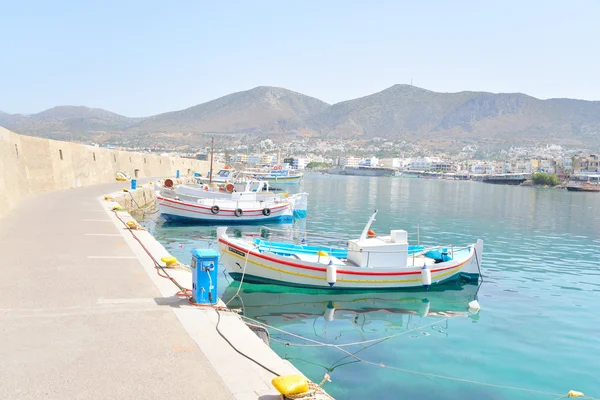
587, 178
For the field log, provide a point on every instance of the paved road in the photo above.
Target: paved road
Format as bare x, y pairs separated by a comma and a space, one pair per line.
75, 320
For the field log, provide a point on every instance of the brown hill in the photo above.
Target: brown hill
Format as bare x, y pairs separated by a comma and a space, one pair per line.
401, 111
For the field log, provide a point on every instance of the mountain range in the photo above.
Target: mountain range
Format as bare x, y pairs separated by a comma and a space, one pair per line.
401, 112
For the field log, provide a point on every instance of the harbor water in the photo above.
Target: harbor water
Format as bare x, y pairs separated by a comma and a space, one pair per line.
537, 335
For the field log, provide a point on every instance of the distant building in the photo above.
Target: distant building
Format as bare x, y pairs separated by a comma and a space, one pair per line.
371, 162
442, 166
239, 158
202, 157
423, 163
267, 159
254, 159
390, 163
296, 162
349, 161
589, 163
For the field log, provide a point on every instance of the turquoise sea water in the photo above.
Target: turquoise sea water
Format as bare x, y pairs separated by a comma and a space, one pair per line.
539, 324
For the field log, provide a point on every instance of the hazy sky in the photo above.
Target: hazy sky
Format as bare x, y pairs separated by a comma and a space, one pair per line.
140, 58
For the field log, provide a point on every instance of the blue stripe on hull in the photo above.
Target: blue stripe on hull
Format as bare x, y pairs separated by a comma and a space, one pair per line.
286, 219
257, 279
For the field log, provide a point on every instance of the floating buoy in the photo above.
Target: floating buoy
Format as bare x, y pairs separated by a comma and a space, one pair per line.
230, 188
426, 276
205, 188
474, 306
329, 312
331, 274
370, 233
575, 393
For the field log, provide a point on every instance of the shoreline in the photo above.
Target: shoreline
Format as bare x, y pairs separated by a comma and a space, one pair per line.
245, 379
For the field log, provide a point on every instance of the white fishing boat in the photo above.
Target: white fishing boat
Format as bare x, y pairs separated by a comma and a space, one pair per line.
248, 206
279, 174
368, 262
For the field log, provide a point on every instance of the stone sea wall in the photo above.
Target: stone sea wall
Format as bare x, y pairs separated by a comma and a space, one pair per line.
30, 165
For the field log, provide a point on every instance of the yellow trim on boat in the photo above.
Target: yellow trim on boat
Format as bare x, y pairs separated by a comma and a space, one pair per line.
437, 276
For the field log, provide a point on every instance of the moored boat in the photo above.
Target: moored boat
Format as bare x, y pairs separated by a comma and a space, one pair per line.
584, 183
370, 262
279, 174
248, 206
505, 179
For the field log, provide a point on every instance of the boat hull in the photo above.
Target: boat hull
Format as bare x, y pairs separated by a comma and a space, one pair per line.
583, 189
269, 268
174, 210
505, 181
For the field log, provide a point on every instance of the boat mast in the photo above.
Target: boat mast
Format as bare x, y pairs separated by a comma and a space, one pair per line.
365, 231
212, 153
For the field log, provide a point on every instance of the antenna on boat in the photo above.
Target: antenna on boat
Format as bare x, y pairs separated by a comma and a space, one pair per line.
365, 231
212, 153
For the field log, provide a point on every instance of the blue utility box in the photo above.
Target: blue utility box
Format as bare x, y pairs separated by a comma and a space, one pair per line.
133, 184
177, 174
205, 270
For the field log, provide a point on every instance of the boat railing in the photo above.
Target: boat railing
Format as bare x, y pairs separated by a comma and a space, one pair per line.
341, 236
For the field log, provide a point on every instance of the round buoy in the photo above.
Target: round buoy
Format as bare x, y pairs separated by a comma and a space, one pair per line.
238, 212
226, 167
266, 212
371, 233
215, 209
230, 188
168, 183
205, 187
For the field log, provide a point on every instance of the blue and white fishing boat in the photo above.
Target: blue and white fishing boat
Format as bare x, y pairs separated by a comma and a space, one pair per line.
279, 174
368, 262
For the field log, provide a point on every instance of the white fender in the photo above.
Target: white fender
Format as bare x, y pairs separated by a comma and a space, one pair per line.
331, 273
426, 276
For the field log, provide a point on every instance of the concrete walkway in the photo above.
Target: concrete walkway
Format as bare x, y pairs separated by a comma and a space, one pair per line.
75, 320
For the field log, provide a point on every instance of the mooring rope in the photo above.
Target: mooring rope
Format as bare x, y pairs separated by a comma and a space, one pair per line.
428, 374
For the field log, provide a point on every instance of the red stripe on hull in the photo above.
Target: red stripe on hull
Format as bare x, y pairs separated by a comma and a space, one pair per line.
339, 271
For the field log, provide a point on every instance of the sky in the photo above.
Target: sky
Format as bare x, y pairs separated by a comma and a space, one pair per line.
140, 58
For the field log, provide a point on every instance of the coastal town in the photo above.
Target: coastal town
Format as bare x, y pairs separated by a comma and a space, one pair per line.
466, 162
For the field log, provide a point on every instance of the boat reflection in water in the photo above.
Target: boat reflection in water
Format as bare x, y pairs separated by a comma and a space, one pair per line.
280, 306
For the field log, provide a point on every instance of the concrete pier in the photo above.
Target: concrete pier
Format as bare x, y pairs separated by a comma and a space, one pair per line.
83, 314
